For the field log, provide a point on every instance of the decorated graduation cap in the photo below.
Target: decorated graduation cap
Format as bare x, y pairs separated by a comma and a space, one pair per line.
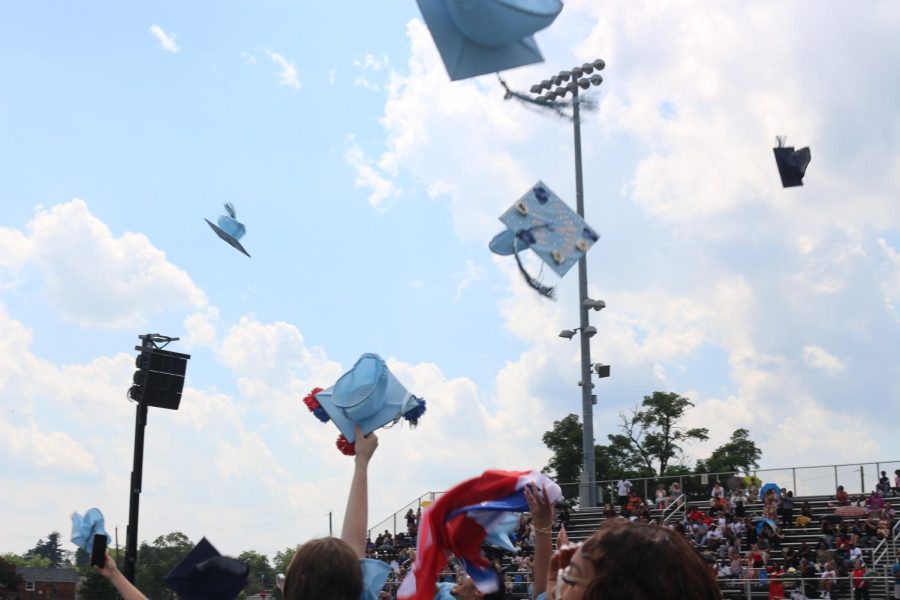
229, 228
85, 527
473, 512
367, 395
204, 574
541, 221
791, 163
475, 37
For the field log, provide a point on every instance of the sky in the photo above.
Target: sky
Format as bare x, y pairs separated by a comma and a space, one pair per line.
370, 186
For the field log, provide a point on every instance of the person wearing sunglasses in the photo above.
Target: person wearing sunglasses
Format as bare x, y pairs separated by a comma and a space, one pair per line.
633, 560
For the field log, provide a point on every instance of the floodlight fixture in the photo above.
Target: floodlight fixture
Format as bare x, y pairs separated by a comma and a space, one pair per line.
567, 333
584, 83
590, 331
577, 72
595, 304
536, 88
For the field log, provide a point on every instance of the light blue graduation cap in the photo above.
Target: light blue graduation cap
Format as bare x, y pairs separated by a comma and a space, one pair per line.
85, 527
475, 37
368, 395
229, 228
541, 221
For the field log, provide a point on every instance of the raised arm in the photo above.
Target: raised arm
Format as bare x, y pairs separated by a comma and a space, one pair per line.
542, 522
122, 585
357, 515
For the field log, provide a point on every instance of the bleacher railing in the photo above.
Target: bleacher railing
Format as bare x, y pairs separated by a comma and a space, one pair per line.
746, 587
822, 480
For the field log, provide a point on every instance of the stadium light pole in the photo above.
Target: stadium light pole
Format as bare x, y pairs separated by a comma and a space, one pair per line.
557, 87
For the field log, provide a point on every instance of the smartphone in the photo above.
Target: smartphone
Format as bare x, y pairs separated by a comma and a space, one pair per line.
98, 551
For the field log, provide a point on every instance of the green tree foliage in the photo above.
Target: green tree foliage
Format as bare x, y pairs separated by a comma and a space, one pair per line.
261, 576
156, 560
95, 586
280, 564
8, 576
25, 561
652, 433
737, 454
51, 550
649, 441
564, 440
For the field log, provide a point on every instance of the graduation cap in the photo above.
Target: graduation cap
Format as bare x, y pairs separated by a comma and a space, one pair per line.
791, 163
229, 228
85, 527
475, 37
367, 395
204, 574
541, 221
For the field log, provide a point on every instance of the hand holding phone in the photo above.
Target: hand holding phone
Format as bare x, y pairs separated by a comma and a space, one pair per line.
98, 551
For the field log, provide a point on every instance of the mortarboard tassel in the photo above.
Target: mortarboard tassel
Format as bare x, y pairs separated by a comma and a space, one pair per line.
345, 447
413, 414
543, 290
314, 407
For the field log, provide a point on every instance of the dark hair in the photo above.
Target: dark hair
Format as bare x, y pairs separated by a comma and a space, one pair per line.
324, 569
670, 567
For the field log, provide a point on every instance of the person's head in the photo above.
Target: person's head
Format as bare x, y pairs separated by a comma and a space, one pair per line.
840, 488
323, 568
465, 588
603, 567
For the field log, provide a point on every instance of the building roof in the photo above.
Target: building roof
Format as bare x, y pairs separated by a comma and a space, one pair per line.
46, 575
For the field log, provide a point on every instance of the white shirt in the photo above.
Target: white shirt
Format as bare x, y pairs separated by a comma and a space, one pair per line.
623, 487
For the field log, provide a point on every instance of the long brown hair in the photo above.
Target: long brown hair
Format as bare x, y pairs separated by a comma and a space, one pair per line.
645, 562
323, 569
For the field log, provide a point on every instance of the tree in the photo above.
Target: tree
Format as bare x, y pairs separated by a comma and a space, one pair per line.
280, 564
737, 454
95, 586
652, 434
156, 560
51, 550
261, 576
21, 561
565, 441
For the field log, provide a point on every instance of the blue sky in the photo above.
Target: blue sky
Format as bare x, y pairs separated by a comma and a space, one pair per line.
370, 185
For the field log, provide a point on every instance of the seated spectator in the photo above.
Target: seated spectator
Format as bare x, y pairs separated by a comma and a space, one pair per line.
674, 492
603, 567
823, 554
609, 512
828, 532
806, 516
884, 485
841, 498
662, 499
875, 502
896, 487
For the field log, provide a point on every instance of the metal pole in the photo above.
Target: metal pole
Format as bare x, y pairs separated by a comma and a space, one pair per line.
134, 504
588, 495
835, 477
794, 474
862, 480
329, 524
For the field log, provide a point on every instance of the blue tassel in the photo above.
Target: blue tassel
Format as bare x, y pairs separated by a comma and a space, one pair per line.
321, 415
413, 414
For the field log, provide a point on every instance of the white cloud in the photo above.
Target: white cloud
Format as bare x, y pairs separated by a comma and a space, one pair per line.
94, 278
288, 75
200, 328
819, 358
372, 62
368, 176
166, 40
27, 443
472, 274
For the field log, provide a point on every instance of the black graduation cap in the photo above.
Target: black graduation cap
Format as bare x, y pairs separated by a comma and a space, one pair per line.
204, 574
791, 163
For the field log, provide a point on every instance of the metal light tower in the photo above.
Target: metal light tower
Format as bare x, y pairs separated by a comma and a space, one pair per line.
546, 93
